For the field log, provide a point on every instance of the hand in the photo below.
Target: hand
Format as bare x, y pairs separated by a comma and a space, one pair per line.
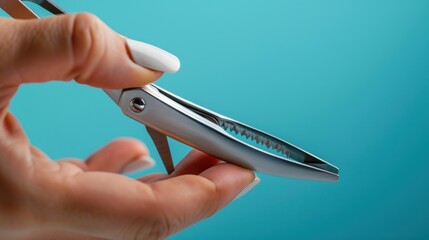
71, 199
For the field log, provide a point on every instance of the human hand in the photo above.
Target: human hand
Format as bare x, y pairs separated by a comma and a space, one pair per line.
72, 199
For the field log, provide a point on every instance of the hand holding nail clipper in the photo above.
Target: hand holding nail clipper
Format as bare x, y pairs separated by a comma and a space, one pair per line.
74, 199
106, 205
165, 114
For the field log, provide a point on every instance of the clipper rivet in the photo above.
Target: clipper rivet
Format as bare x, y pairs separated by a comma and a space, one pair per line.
137, 105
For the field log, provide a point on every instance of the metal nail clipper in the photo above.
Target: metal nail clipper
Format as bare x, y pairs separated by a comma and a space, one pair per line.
165, 114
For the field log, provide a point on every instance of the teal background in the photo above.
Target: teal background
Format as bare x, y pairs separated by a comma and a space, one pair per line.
346, 80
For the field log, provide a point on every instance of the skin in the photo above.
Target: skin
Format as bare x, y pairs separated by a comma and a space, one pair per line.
71, 199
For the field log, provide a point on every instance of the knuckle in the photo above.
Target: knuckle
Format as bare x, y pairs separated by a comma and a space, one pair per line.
156, 227
87, 49
85, 23
167, 220
206, 197
160, 229
163, 223
87, 18
83, 27
212, 202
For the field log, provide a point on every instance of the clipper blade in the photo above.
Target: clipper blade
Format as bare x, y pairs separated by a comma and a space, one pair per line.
270, 144
261, 140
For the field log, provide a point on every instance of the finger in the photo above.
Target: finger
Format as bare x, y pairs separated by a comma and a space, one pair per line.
194, 162
123, 155
153, 177
77, 46
76, 162
105, 204
187, 199
58, 234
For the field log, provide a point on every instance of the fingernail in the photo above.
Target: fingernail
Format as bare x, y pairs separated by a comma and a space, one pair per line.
249, 187
138, 165
153, 57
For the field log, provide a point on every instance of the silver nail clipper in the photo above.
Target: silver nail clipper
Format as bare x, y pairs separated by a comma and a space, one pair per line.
165, 114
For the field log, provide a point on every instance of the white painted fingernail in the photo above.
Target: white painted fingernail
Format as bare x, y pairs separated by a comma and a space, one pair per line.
138, 165
249, 187
153, 57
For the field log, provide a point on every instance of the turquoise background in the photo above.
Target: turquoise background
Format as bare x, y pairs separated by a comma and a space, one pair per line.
346, 80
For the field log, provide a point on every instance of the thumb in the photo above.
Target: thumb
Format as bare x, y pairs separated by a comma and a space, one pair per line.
66, 47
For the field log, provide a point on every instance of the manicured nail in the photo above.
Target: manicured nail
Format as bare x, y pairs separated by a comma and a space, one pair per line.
153, 57
138, 165
249, 187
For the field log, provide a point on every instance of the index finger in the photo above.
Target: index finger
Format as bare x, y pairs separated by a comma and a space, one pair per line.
76, 46
187, 199
109, 205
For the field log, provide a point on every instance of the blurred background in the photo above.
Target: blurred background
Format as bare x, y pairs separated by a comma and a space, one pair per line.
345, 80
